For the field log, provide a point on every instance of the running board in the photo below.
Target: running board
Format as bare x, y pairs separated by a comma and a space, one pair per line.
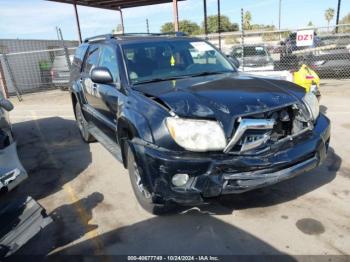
108, 143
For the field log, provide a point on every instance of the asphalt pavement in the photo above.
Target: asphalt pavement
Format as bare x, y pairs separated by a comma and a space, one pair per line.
89, 196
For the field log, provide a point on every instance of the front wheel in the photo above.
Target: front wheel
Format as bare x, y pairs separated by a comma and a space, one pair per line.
142, 193
83, 125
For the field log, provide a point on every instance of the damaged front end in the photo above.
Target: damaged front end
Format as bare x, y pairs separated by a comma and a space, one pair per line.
277, 131
256, 133
263, 149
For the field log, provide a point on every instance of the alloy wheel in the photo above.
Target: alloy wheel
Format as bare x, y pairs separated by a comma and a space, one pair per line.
139, 183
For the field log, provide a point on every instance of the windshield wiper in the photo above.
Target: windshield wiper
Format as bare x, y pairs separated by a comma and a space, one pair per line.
207, 73
155, 80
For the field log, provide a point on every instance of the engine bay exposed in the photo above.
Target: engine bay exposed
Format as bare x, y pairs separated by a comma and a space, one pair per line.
255, 133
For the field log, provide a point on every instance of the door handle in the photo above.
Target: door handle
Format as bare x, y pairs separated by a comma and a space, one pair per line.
94, 89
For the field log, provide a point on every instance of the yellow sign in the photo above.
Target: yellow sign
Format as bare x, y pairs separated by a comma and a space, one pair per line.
172, 61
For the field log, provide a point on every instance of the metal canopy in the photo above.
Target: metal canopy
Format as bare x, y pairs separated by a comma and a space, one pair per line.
113, 4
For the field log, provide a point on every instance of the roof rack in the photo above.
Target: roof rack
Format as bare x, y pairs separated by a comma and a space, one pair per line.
153, 34
98, 38
111, 36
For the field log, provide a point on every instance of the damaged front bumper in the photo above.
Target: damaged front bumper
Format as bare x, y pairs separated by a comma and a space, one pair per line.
214, 174
12, 172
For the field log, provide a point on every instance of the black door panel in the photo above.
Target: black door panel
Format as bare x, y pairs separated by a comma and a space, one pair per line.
107, 96
91, 61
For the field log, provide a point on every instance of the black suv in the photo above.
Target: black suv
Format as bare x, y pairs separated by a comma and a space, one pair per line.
187, 126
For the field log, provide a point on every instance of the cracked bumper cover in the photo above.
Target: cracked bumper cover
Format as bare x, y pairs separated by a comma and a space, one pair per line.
214, 174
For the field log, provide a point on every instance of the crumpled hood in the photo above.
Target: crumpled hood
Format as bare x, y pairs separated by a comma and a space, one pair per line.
222, 97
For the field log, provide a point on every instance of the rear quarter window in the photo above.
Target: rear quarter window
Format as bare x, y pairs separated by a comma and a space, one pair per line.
79, 56
91, 59
77, 62
80, 52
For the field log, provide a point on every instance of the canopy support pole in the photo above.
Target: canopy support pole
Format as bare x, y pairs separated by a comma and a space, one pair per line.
77, 21
219, 23
205, 17
337, 21
121, 19
176, 15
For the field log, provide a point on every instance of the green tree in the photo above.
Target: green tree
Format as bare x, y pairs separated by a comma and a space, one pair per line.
329, 14
247, 19
310, 23
225, 24
344, 20
167, 27
185, 26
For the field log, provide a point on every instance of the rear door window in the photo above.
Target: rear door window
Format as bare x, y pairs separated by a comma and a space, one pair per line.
108, 59
92, 59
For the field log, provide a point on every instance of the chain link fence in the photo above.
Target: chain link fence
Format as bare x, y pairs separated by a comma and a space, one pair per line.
326, 50
34, 65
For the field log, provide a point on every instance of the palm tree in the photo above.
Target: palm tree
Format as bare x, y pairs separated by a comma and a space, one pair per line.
329, 14
246, 20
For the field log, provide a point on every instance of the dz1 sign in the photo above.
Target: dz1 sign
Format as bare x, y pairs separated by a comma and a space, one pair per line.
305, 38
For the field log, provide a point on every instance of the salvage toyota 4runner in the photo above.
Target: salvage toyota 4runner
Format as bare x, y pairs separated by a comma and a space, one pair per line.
189, 127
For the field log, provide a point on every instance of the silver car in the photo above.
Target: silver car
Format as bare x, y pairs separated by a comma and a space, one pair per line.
60, 71
256, 58
11, 170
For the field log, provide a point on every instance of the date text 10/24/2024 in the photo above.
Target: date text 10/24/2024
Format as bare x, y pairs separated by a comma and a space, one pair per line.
173, 258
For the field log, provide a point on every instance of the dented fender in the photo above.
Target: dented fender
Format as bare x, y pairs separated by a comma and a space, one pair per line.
136, 123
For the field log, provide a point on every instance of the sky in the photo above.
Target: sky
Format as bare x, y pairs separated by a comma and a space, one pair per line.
37, 19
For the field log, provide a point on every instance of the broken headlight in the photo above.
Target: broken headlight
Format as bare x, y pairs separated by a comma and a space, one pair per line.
312, 104
196, 135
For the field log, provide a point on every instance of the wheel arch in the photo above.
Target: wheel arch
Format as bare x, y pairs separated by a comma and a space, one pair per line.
76, 95
126, 132
132, 124
74, 101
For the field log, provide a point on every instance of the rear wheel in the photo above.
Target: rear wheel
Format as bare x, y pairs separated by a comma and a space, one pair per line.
142, 193
83, 125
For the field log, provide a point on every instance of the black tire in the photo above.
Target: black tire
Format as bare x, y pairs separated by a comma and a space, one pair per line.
142, 193
82, 125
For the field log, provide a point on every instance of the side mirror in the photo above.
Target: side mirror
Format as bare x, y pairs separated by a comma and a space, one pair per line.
234, 61
6, 104
101, 75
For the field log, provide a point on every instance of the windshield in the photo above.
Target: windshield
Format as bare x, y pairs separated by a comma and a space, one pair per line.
157, 61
